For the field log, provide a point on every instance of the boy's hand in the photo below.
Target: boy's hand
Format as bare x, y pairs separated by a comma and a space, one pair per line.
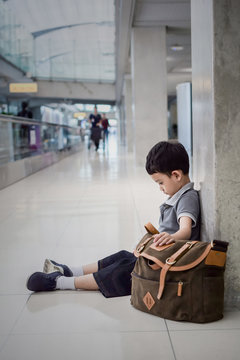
163, 238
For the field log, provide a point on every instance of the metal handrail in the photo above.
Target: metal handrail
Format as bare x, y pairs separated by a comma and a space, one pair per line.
23, 120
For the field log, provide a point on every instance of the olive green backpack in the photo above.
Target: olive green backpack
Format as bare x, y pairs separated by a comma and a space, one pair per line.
181, 281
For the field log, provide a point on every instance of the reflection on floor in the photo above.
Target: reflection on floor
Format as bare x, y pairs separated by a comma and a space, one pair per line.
83, 208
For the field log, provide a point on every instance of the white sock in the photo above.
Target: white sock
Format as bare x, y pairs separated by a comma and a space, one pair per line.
76, 270
65, 283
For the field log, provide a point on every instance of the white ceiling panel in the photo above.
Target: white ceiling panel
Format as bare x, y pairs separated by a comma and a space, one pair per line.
170, 13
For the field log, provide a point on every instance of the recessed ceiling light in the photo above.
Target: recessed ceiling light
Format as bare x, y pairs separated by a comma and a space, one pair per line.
177, 47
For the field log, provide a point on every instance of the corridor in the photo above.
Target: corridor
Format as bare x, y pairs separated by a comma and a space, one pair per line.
81, 209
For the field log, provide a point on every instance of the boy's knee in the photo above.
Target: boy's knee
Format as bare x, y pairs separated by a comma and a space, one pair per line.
123, 253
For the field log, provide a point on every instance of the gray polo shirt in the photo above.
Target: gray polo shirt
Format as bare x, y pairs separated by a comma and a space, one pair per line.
184, 203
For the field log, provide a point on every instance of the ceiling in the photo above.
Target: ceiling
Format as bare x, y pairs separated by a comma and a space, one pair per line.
59, 39
89, 40
175, 15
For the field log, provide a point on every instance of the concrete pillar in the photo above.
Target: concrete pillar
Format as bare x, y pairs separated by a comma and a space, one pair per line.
121, 122
216, 126
128, 113
149, 81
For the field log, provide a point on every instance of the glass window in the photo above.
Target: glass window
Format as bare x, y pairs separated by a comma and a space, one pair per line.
89, 107
104, 108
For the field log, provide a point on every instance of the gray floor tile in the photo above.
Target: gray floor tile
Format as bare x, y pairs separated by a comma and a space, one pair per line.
10, 309
207, 344
89, 346
76, 311
231, 320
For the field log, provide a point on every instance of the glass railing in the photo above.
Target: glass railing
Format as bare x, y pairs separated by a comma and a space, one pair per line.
42, 54
16, 44
21, 138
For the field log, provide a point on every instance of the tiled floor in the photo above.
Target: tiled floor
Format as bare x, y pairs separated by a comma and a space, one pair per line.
81, 209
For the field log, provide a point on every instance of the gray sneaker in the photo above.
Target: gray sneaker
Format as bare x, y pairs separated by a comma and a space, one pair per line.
51, 266
40, 281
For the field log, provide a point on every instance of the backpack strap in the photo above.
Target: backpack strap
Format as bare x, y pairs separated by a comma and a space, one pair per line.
151, 229
171, 261
141, 247
157, 264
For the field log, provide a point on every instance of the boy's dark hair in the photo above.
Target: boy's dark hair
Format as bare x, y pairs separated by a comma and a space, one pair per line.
166, 157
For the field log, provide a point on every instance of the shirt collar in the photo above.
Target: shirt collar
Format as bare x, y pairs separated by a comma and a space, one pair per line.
174, 199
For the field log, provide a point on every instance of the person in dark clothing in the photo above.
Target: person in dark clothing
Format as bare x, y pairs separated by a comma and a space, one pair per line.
25, 112
24, 128
96, 130
105, 126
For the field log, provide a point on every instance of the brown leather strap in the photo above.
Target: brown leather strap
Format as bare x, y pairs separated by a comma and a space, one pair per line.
171, 261
159, 263
160, 248
177, 255
163, 274
151, 229
141, 246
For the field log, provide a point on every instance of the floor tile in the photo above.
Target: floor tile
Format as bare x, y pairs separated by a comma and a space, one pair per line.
88, 346
75, 311
43, 208
231, 320
10, 309
5, 213
103, 228
207, 345
3, 339
13, 277
33, 232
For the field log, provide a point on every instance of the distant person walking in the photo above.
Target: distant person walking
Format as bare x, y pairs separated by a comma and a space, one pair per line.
25, 112
95, 121
105, 126
25, 129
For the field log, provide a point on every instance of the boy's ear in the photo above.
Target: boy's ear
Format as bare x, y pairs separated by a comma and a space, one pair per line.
177, 174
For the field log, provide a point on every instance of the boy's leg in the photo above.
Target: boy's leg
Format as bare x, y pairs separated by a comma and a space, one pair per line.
86, 282
111, 275
40, 281
114, 274
90, 268
100, 275
51, 266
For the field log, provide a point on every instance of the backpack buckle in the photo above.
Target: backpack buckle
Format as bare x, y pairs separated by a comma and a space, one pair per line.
191, 243
170, 262
140, 248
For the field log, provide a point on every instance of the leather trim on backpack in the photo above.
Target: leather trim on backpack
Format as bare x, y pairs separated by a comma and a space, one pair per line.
148, 300
179, 268
160, 248
216, 258
151, 229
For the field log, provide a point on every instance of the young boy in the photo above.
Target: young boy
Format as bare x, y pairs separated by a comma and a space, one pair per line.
168, 165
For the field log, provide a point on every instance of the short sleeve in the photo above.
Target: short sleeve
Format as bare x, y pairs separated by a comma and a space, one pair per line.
188, 205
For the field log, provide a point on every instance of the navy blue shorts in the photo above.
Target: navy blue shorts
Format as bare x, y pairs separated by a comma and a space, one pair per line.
114, 274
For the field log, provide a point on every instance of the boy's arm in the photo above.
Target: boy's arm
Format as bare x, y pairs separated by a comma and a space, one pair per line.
184, 233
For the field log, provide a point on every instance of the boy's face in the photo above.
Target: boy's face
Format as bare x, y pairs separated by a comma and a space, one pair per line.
168, 185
